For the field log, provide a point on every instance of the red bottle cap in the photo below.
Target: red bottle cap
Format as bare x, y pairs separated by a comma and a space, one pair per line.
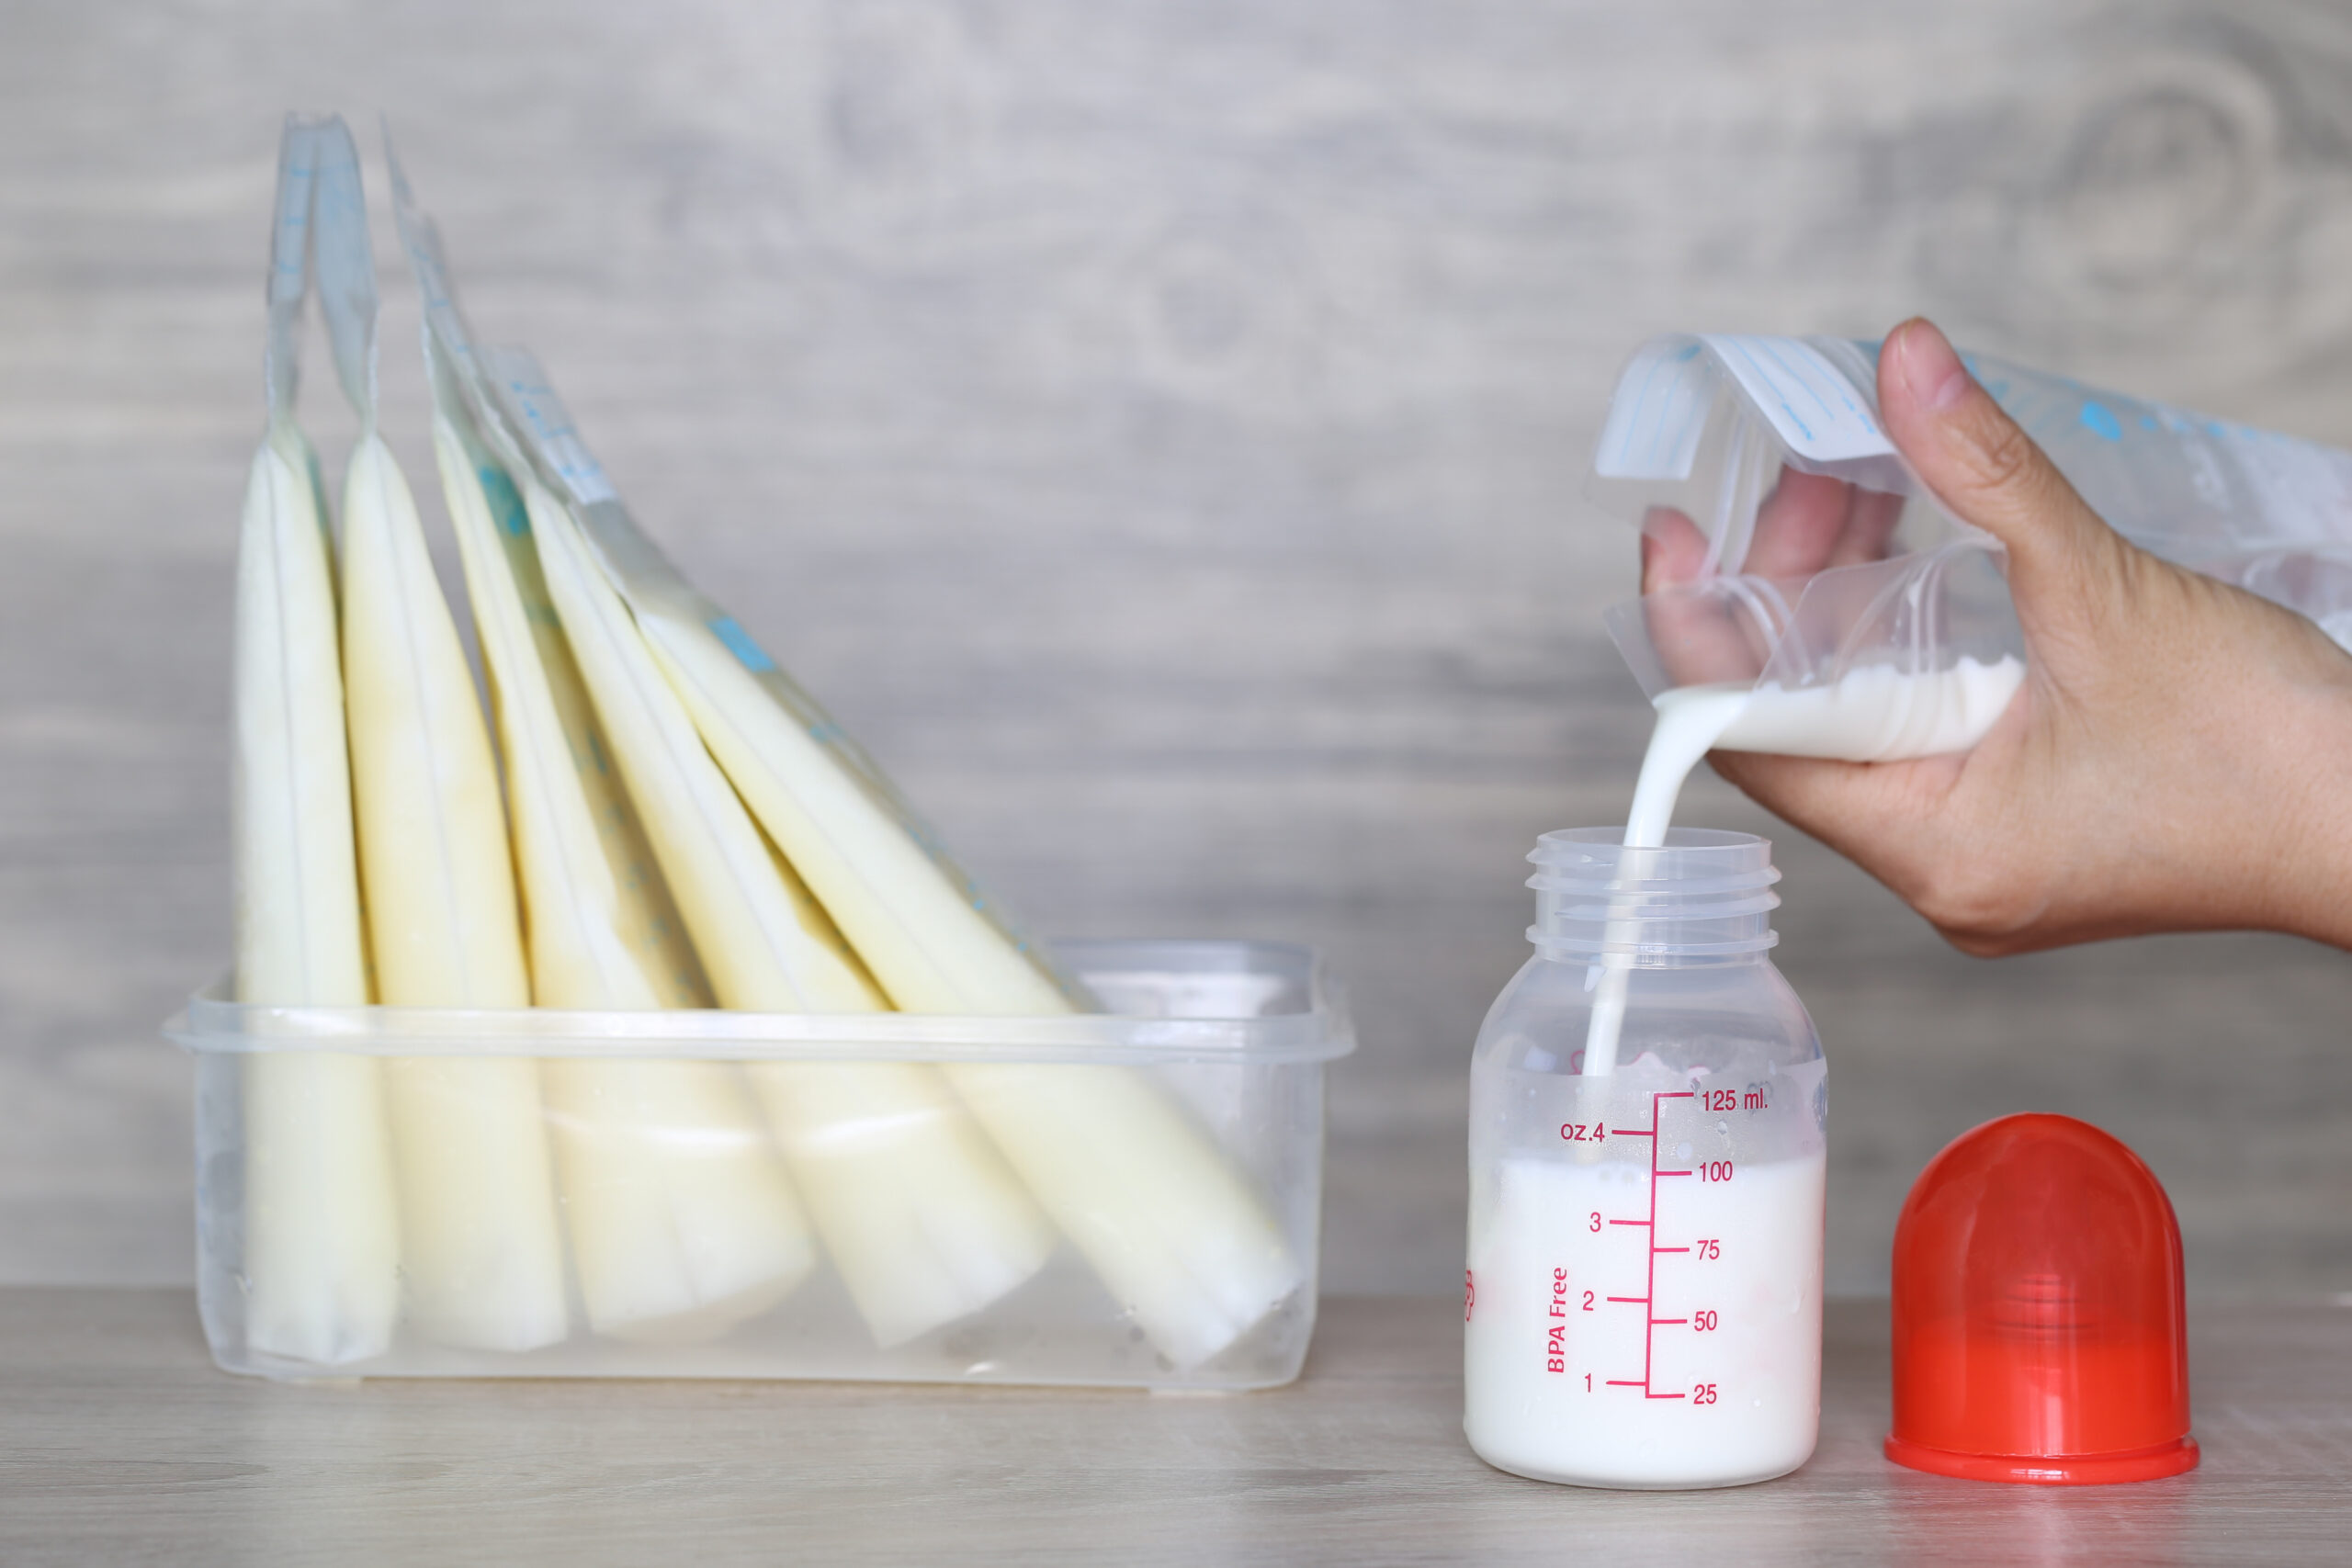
2039, 1328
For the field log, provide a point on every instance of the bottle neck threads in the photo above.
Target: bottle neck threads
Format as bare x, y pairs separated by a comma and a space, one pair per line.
1706, 895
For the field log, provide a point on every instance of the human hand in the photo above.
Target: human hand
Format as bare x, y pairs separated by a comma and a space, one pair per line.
2177, 759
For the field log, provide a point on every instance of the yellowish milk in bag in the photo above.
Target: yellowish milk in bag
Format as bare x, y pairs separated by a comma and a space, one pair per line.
481, 1260
919, 1214
681, 1218
922, 1222
322, 1250
1161, 1213
1172, 1228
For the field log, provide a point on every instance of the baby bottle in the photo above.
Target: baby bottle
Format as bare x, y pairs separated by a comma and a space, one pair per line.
1648, 1109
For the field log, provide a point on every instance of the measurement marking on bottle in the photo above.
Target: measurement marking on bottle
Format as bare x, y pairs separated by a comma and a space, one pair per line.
1651, 1323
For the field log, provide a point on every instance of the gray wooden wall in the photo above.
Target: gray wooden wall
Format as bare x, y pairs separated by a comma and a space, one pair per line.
1157, 429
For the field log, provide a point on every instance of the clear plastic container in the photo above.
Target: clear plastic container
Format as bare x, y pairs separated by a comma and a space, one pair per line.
1232, 1035
1644, 1292
1869, 622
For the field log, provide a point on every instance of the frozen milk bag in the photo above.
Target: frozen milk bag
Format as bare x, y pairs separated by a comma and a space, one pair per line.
322, 1242
918, 1215
1172, 1227
481, 1256
682, 1220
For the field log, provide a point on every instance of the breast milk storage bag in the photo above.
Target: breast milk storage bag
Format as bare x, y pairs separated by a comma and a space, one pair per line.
1850, 614
637, 1028
1644, 1294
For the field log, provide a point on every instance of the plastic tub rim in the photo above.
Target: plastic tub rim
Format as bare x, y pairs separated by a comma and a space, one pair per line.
214, 1022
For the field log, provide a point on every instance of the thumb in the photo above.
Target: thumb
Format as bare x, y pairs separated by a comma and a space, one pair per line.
1983, 467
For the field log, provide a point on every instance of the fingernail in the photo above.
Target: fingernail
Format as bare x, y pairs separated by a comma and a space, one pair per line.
1932, 372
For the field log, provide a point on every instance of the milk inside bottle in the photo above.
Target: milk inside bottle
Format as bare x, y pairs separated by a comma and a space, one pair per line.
1644, 1293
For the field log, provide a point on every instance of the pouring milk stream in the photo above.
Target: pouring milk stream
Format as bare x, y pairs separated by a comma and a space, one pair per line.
1870, 714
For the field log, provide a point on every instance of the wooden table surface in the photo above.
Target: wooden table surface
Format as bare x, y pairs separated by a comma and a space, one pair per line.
119, 1442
